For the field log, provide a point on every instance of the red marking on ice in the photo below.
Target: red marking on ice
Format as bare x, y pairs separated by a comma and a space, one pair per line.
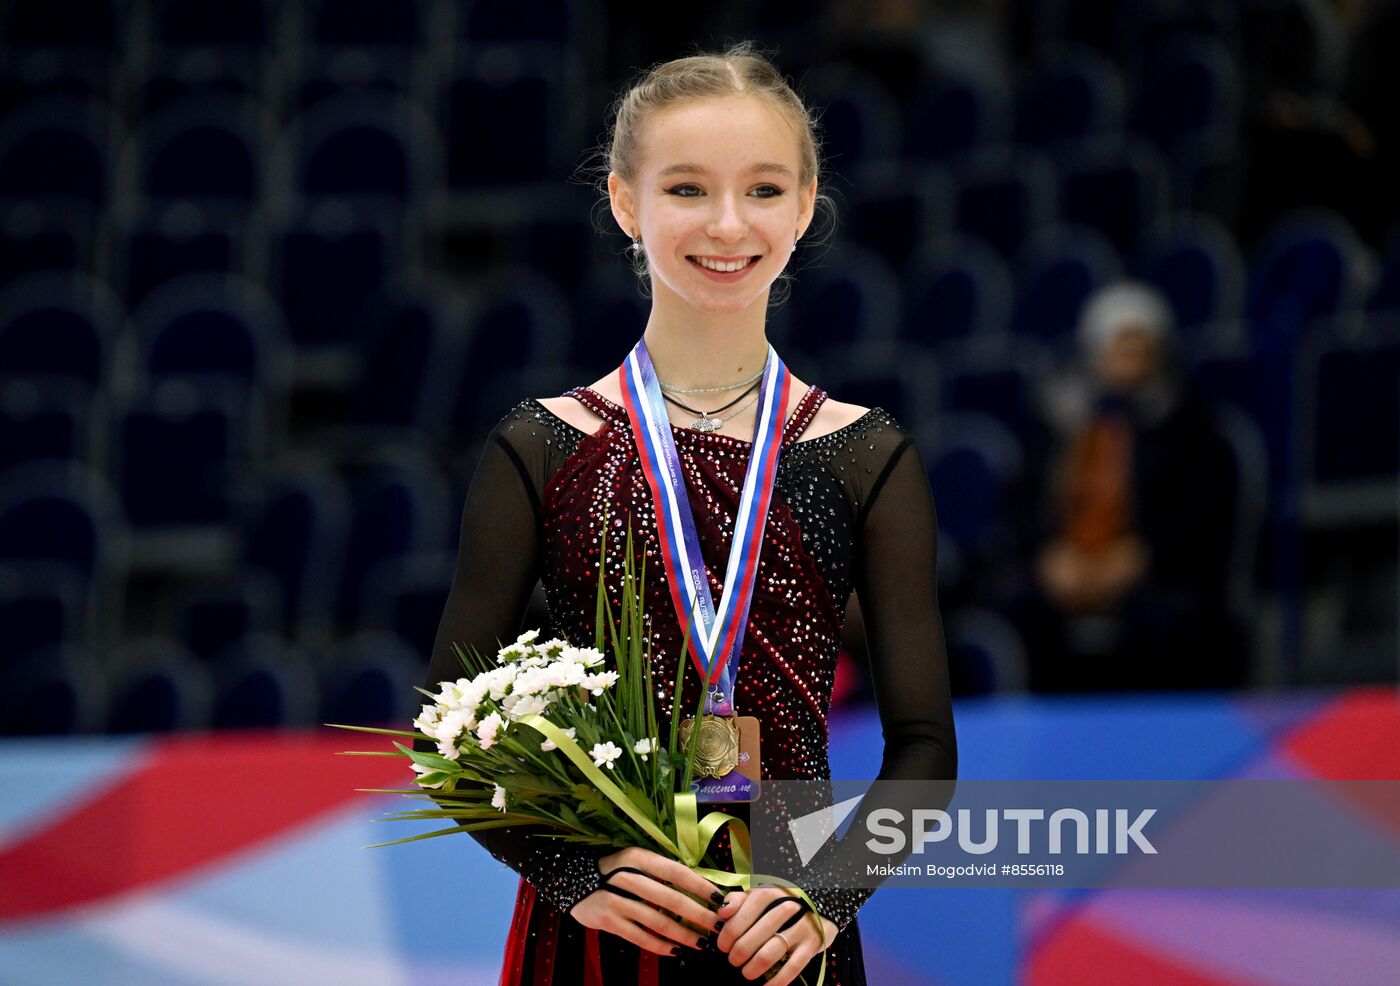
188, 802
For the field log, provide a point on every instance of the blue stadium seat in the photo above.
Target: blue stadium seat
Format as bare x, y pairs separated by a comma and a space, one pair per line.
859, 118
1004, 196
1112, 28
555, 23
890, 375
57, 692
520, 320
958, 113
985, 653
1385, 294
567, 246
1249, 459
1191, 91
214, 327
1194, 261
1001, 385
327, 77
208, 150
58, 327
46, 237
369, 681
295, 532
260, 683
956, 288
366, 24
1118, 188
1308, 266
1349, 410
1069, 94
611, 315
43, 421
58, 149
248, 25
410, 335
505, 91
1260, 386
40, 607
400, 507
37, 75
325, 266
1055, 274
208, 617
157, 687
853, 296
894, 206
973, 462
362, 146
411, 595
172, 241
59, 514
77, 28
176, 444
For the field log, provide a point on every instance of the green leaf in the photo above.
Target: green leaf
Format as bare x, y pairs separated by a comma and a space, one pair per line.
434, 760
410, 733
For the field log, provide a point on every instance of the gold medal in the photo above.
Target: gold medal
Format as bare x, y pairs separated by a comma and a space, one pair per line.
717, 748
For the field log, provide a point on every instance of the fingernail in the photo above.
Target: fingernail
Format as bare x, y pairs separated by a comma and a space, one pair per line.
701, 942
717, 897
718, 925
675, 950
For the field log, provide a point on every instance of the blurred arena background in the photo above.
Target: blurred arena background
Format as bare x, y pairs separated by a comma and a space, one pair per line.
270, 271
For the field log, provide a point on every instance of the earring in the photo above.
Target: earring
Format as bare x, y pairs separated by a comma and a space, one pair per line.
637, 244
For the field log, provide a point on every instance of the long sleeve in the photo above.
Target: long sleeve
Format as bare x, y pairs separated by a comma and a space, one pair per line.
894, 578
498, 563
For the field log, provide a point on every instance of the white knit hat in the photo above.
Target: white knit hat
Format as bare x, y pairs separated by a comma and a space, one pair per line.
1120, 305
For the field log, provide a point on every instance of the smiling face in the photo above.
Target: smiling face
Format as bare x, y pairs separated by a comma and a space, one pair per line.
717, 200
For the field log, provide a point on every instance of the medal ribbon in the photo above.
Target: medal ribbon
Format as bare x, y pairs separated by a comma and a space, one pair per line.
716, 645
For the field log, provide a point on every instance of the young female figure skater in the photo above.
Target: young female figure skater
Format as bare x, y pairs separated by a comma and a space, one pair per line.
714, 174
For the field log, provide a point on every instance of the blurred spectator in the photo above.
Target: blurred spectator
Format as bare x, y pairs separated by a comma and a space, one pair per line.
1126, 588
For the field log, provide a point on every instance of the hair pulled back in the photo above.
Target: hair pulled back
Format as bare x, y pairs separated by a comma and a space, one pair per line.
739, 69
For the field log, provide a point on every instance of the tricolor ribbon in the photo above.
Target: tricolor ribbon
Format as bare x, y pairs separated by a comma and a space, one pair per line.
715, 647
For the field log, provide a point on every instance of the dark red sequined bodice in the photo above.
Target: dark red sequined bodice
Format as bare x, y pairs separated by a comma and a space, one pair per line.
794, 632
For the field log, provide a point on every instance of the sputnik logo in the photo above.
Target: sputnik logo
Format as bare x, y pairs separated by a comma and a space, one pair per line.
811, 832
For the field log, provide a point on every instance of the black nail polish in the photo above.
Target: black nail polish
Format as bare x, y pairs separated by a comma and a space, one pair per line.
717, 897
701, 942
675, 950
718, 925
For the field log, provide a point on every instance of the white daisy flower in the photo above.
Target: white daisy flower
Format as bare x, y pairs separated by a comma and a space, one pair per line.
488, 730
604, 754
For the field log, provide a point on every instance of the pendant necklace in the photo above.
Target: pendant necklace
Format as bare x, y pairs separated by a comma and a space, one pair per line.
710, 420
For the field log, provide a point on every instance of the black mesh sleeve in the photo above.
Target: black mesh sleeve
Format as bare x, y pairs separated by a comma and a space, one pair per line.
498, 564
894, 578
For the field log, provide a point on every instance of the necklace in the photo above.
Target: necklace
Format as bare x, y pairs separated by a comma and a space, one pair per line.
709, 390
710, 420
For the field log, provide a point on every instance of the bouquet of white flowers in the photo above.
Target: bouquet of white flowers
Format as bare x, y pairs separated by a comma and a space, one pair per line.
558, 736
549, 735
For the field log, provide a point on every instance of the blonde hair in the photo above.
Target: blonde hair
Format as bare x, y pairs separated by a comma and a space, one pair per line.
739, 69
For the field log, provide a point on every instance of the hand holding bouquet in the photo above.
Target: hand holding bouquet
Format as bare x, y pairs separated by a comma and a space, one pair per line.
556, 736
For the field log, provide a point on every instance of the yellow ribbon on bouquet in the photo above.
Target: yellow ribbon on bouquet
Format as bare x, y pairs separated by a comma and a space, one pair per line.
693, 834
